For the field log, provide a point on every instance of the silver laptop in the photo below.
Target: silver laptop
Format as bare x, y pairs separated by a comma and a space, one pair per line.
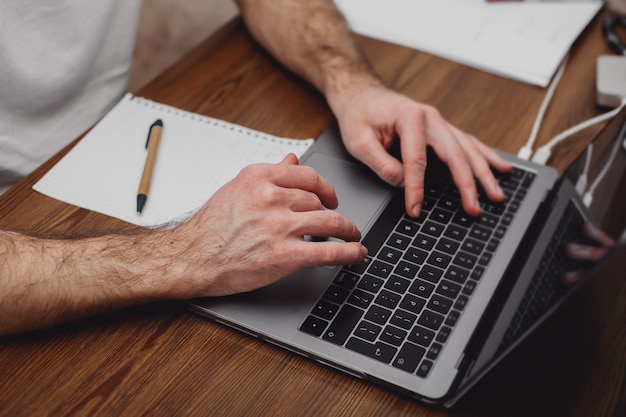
441, 298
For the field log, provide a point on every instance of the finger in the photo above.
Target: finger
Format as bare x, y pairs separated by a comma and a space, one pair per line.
289, 159
584, 252
571, 278
598, 235
304, 178
329, 253
326, 223
479, 165
372, 153
299, 200
493, 158
413, 148
450, 152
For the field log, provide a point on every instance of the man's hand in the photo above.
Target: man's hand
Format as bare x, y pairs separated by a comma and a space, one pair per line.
371, 117
251, 232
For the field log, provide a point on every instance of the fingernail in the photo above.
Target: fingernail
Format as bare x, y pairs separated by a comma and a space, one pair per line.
579, 250
364, 251
496, 189
417, 209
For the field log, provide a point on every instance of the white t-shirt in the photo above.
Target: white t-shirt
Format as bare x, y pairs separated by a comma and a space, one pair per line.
63, 64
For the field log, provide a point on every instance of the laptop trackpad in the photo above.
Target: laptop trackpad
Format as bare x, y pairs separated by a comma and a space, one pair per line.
360, 192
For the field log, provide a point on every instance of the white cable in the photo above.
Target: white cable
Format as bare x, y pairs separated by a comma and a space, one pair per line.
581, 184
526, 151
588, 197
543, 154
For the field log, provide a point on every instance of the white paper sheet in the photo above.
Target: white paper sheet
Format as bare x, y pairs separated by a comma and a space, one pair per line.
197, 155
520, 40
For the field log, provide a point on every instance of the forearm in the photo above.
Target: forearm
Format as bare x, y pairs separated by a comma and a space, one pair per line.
312, 39
45, 281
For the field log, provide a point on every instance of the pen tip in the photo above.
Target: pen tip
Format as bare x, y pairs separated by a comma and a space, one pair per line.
141, 201
158, 122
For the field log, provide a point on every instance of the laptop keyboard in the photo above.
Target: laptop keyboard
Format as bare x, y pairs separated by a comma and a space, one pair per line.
547, 284
402, 303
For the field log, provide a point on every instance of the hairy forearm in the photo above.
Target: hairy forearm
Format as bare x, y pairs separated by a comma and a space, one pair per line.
311, 38
45, 281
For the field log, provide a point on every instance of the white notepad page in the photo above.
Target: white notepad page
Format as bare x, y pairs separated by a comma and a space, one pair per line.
196, 156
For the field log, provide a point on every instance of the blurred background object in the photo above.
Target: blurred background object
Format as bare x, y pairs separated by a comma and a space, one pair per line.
170, 28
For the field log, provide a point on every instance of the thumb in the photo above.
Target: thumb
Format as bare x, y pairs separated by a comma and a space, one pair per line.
290, 159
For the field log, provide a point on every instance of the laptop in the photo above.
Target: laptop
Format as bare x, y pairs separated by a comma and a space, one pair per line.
440, 299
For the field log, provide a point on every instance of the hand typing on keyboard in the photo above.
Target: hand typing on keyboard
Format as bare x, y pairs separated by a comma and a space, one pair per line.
371, 117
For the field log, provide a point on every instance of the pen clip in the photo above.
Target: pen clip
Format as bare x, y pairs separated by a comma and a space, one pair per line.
158, 123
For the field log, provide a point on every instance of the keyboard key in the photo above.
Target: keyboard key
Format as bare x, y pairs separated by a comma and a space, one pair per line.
444, 333
380, 269
456, 274
430, 273
448, 289
421, 335
433, 229
449, 203
379, 351
314, 326
336, 294
421, 288
452, 318
488, 220
397, 284
425, 242
469, 287
403, 319
378, 314
412, 303
439, 259
440, 304
409, 357
399, 241
390, 255
461, 302
465, 260
441, 216
416, 256
407, 227
325, 310
434, 351
424, 368
360, 298
455, 232
346, 279
344, 323
406, 269
368, 331
481, 233
463, 219
448, 246
472, 246
388, 299
431, 319
393, 335
370, 283
477, 273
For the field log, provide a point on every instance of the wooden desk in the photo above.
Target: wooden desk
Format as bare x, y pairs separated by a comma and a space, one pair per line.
161, 360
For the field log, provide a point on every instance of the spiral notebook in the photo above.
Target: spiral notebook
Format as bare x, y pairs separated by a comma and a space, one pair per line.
197, 155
